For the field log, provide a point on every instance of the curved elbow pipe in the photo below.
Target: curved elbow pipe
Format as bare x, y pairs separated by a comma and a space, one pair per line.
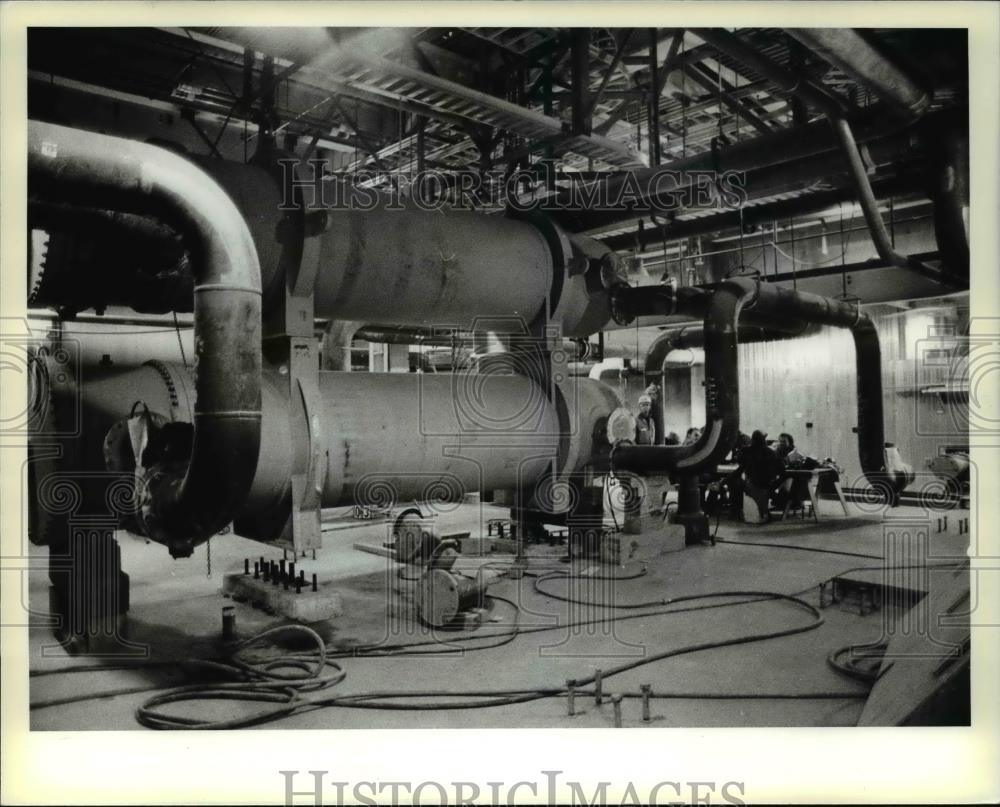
688, 336
721, 328
182, 507
722, 399
869, 205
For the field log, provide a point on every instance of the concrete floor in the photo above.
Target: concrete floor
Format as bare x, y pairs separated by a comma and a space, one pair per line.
176, 607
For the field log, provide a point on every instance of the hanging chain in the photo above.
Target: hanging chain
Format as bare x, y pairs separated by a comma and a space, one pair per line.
208, 558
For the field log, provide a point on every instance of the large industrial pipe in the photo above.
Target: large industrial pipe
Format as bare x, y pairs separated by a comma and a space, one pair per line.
722, 379
112, 173
951, 200
852, 52
869, 205
382, 437
837, 111
687, 336
390, 262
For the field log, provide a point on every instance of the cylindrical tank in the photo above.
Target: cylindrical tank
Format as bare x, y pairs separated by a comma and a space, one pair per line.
391, 262
388, 264
432, 436
584, 408
384, 437
420, 267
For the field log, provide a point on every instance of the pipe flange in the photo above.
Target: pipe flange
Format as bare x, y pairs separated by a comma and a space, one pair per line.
558, 243
37, 264
168, 380
619, 310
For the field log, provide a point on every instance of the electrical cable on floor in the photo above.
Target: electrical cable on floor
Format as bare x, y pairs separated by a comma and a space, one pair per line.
282, 681
369, 651
265, 685
799, 548
490, 699
852, 668
92, 696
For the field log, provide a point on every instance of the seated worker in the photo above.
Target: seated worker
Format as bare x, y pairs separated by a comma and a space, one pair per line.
761, 468
692, 436
725, 490
742, 444
731, 485
787, 451
798, 490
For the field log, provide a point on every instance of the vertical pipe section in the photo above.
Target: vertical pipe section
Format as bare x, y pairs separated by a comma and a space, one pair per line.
117, 174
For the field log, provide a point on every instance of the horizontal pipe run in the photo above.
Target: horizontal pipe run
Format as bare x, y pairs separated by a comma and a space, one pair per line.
849, 50
787, 81
652, 236
688, 336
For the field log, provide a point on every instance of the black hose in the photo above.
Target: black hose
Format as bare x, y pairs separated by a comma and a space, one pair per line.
851, 668
800, 548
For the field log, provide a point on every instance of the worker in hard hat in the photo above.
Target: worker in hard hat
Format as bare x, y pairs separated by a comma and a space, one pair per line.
645, 428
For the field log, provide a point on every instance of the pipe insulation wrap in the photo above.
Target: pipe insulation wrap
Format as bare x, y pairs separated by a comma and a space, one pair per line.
113, 173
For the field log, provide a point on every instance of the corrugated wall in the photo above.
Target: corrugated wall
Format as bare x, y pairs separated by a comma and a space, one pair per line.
807, 387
